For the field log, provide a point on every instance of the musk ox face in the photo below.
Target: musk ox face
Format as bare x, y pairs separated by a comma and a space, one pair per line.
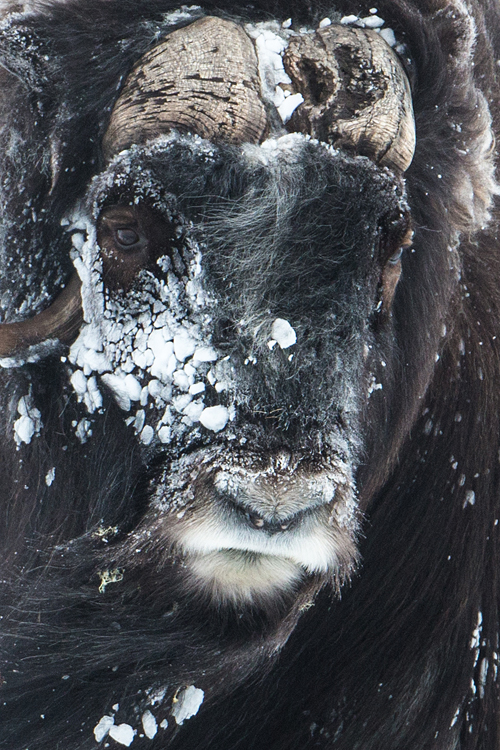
241, 355
232, 376
236, 269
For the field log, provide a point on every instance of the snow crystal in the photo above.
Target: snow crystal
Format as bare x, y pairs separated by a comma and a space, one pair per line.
476, 635
50, 476
184, 346
349, 20
196, 388
205, 354
214, 418
118, 386
102, 729
149, 724
389, 36
122, 733
109, 576
187, 703
29, 422
283, 333
147, 435
288, 107
470, 498
372, 22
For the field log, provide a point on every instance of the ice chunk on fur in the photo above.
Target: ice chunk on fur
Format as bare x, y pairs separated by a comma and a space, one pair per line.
283, 333
149, 724
102, 729
123, 734
187, 704
214, 418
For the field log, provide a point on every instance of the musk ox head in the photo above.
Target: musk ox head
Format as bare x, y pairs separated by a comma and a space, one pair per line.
236, 261
248, 350
236, 282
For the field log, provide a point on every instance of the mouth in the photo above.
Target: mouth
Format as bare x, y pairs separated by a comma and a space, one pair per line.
250, 531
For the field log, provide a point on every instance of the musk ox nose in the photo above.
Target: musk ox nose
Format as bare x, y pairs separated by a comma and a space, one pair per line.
275, 497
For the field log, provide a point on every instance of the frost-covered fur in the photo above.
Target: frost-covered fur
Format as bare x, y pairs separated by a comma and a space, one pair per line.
132, 578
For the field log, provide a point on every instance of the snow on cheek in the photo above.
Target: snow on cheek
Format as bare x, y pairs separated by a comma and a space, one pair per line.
151, 347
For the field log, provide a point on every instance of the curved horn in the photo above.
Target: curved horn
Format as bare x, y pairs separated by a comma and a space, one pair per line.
61, 320
356, 93
201, 79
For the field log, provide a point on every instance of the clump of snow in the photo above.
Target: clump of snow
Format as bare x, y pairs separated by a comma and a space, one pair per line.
373, 22
214, 418
388, 35
122, 733
149, 724
29, 422
289, 105
185, 13
374, 386
83, 430
271, 41
187, 703
103, 727
283, 334
324, 23
349, 20
470, 498
50, 476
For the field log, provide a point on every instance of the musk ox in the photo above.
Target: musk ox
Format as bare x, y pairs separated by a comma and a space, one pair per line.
249, 349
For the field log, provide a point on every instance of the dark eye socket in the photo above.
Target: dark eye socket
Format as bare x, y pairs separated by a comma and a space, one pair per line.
127, 237
395, 257
396, 236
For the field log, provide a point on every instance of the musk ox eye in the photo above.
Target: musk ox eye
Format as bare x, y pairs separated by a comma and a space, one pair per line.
128, 238
396, 257
124, 237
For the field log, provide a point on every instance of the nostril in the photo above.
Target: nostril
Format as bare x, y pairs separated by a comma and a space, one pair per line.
256, 521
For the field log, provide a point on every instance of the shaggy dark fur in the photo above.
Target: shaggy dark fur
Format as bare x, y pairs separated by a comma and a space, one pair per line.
407, 657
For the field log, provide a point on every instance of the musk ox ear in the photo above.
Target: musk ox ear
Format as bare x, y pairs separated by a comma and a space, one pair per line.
29, 80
